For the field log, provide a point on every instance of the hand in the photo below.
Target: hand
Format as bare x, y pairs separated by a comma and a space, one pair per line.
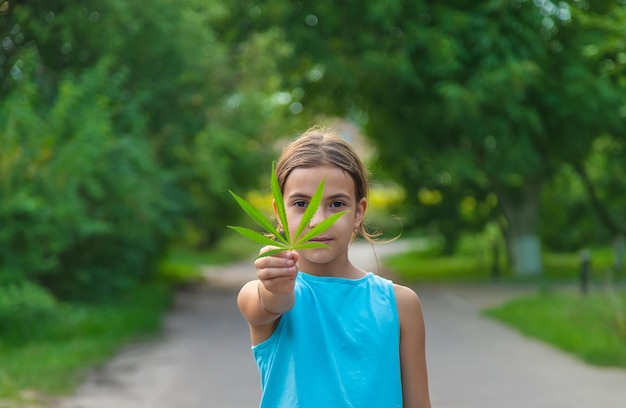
277, 273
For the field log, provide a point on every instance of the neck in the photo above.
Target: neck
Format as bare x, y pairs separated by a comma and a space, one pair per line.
339, 268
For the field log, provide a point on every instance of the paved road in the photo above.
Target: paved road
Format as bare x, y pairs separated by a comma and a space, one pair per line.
203, 359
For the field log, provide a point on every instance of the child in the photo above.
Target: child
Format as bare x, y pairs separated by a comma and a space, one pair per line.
326, 334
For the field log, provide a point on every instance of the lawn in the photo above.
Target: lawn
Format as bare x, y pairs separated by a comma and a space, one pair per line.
591, 327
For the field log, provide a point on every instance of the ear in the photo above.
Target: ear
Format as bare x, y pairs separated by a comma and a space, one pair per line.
359, 212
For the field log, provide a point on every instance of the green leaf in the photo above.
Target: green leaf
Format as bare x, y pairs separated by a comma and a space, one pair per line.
280, 204
285, 243
310, 245
273, 252
307, 245
310, 210
254, 236
257, 216
319, 228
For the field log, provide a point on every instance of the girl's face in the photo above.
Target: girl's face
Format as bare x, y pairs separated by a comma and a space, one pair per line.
339, 195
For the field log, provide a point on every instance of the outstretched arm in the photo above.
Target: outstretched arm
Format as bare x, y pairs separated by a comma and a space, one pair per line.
412, 349
264, 300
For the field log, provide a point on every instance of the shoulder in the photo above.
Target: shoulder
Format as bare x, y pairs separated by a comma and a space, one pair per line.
405, 295
408, 303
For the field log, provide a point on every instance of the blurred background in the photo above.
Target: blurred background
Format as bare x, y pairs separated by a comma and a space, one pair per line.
495, 131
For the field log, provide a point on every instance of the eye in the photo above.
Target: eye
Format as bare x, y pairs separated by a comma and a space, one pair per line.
337, 204
300, 204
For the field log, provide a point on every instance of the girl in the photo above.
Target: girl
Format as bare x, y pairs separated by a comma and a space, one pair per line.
326, 334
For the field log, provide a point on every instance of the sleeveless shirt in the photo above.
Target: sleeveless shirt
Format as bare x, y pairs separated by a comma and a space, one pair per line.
339, 346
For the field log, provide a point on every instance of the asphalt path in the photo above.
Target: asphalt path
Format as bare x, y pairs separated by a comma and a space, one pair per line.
203, 357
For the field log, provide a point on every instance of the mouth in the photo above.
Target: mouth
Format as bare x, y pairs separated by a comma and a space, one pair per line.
322, 240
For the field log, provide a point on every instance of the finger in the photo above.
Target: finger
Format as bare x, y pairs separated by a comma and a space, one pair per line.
266, 274
284, 259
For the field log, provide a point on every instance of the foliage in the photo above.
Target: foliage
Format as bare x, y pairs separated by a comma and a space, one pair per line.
26, 310
79, 189
584, 202
283, 240
467, 100
123, 125
583, 326
572, 225
602, 177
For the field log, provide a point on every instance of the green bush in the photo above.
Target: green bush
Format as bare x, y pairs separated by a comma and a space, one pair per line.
26, 310
83, 209
109, 154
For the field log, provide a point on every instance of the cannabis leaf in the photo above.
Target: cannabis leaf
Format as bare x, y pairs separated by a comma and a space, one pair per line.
283, 241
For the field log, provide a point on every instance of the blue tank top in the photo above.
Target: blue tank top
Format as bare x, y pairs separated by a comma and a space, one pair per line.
339, 346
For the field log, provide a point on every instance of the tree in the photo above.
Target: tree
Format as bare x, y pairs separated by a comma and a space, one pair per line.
123, 124
601, 171
489, 95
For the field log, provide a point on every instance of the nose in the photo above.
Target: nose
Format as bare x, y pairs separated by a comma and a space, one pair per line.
318, 217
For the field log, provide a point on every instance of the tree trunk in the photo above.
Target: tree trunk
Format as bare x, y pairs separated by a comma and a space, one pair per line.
521, 209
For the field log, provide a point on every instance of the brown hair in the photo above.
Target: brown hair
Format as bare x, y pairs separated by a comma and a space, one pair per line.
320, 146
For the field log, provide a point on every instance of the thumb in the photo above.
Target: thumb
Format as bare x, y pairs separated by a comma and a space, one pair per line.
296, 257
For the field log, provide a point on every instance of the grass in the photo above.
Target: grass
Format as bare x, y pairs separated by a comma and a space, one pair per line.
426, 263
590, 327
51, 363
416, 266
